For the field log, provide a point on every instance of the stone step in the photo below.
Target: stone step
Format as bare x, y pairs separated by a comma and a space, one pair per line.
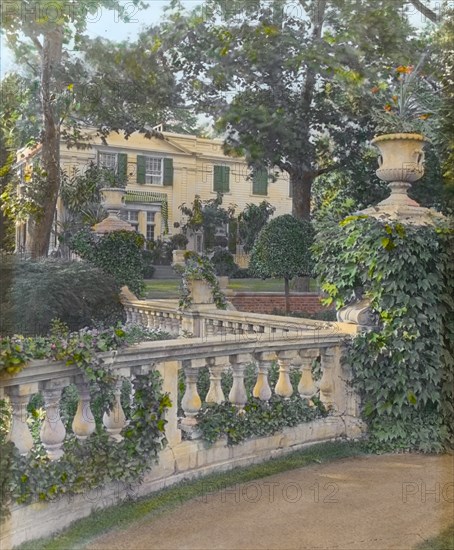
164, 272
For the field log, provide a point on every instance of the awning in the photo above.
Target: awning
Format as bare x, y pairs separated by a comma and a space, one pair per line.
142, 197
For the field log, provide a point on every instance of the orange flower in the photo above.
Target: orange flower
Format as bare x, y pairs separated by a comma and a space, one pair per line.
404, 69
375, 89
395, 98
388, 107
425, 116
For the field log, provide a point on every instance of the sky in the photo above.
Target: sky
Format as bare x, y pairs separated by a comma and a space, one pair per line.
105, 24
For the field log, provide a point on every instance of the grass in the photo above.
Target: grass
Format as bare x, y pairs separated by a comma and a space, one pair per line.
122, 516
161, 288
443, 541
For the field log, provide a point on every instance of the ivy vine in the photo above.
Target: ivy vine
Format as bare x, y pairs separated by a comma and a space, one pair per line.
404, 367
198, 267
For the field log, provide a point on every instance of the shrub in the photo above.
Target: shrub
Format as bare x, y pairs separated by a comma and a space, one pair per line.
118, 253
242, 273
283, 249
148, 269
35, 292
224, 263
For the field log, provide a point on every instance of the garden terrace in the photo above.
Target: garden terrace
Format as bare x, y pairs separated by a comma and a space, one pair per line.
187, 454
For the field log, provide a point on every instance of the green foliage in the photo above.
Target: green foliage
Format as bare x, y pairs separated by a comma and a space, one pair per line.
199, 268
282, 249
33, 293
403, 368
251, 221
207, 216
259, 418
148, 269
118, 253
98, 460
223, 263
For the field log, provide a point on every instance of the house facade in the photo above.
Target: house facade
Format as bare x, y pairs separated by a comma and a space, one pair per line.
162, 173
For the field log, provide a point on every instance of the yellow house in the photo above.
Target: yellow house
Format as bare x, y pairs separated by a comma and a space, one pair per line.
162, 173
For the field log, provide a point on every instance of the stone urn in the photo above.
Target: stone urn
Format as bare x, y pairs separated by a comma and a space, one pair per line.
113, 198
178, 257
200, 292
401, 162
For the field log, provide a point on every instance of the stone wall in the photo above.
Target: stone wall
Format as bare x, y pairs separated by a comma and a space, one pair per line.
269, 302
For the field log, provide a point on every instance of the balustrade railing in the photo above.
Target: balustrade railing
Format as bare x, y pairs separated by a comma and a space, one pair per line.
218, 354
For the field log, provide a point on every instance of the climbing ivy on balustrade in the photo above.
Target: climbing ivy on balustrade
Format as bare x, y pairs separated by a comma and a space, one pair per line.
98, 460
259, 418
404, 367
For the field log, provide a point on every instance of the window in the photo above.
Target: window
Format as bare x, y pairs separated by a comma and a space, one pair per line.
154, 170
108, 160
133, 219
116, 166
221, 179
260, 182
150, 226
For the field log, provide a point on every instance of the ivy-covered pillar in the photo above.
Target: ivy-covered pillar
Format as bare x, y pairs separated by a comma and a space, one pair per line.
390, 269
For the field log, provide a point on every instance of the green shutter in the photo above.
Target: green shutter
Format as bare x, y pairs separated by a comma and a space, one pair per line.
260, 182
122, 167
168, 172
221, 179
140, 169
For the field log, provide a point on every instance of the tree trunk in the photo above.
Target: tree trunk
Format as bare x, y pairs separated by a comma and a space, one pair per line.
40, 226
287, 296
301, 194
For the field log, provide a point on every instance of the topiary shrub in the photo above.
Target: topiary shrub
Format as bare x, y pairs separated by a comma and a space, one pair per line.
148, 269
283, 249
38, 291
224, 263
118, 253
404, 367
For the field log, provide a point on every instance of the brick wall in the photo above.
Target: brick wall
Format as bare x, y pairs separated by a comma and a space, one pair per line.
267, 302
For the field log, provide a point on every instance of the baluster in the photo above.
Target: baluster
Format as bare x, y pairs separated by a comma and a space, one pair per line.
129, 315
83, 423
19, 434
327, 380
175, 325
53, 431
262, 388
115, 420
191, 401
209, 327
215, 393
307, 387
283, 385
237, 394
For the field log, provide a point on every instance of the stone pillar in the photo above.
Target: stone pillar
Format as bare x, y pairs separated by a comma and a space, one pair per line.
53, 431
283, 385
306, 387
237, 394
115, 420
215, 393
19, 433
262, 388
83, 423
169, 373
327, 385
191, 401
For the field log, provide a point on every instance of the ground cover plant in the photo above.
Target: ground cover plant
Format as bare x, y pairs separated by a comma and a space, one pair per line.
404, 365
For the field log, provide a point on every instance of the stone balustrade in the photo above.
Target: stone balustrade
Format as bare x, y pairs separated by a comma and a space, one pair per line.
186, 454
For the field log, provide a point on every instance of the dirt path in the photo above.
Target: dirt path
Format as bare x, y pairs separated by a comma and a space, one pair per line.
376, 502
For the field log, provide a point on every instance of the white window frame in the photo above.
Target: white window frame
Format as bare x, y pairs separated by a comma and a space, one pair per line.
133, 220
110, 154
154, 176
151, 224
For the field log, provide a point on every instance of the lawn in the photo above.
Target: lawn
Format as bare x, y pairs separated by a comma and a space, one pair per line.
162, 288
